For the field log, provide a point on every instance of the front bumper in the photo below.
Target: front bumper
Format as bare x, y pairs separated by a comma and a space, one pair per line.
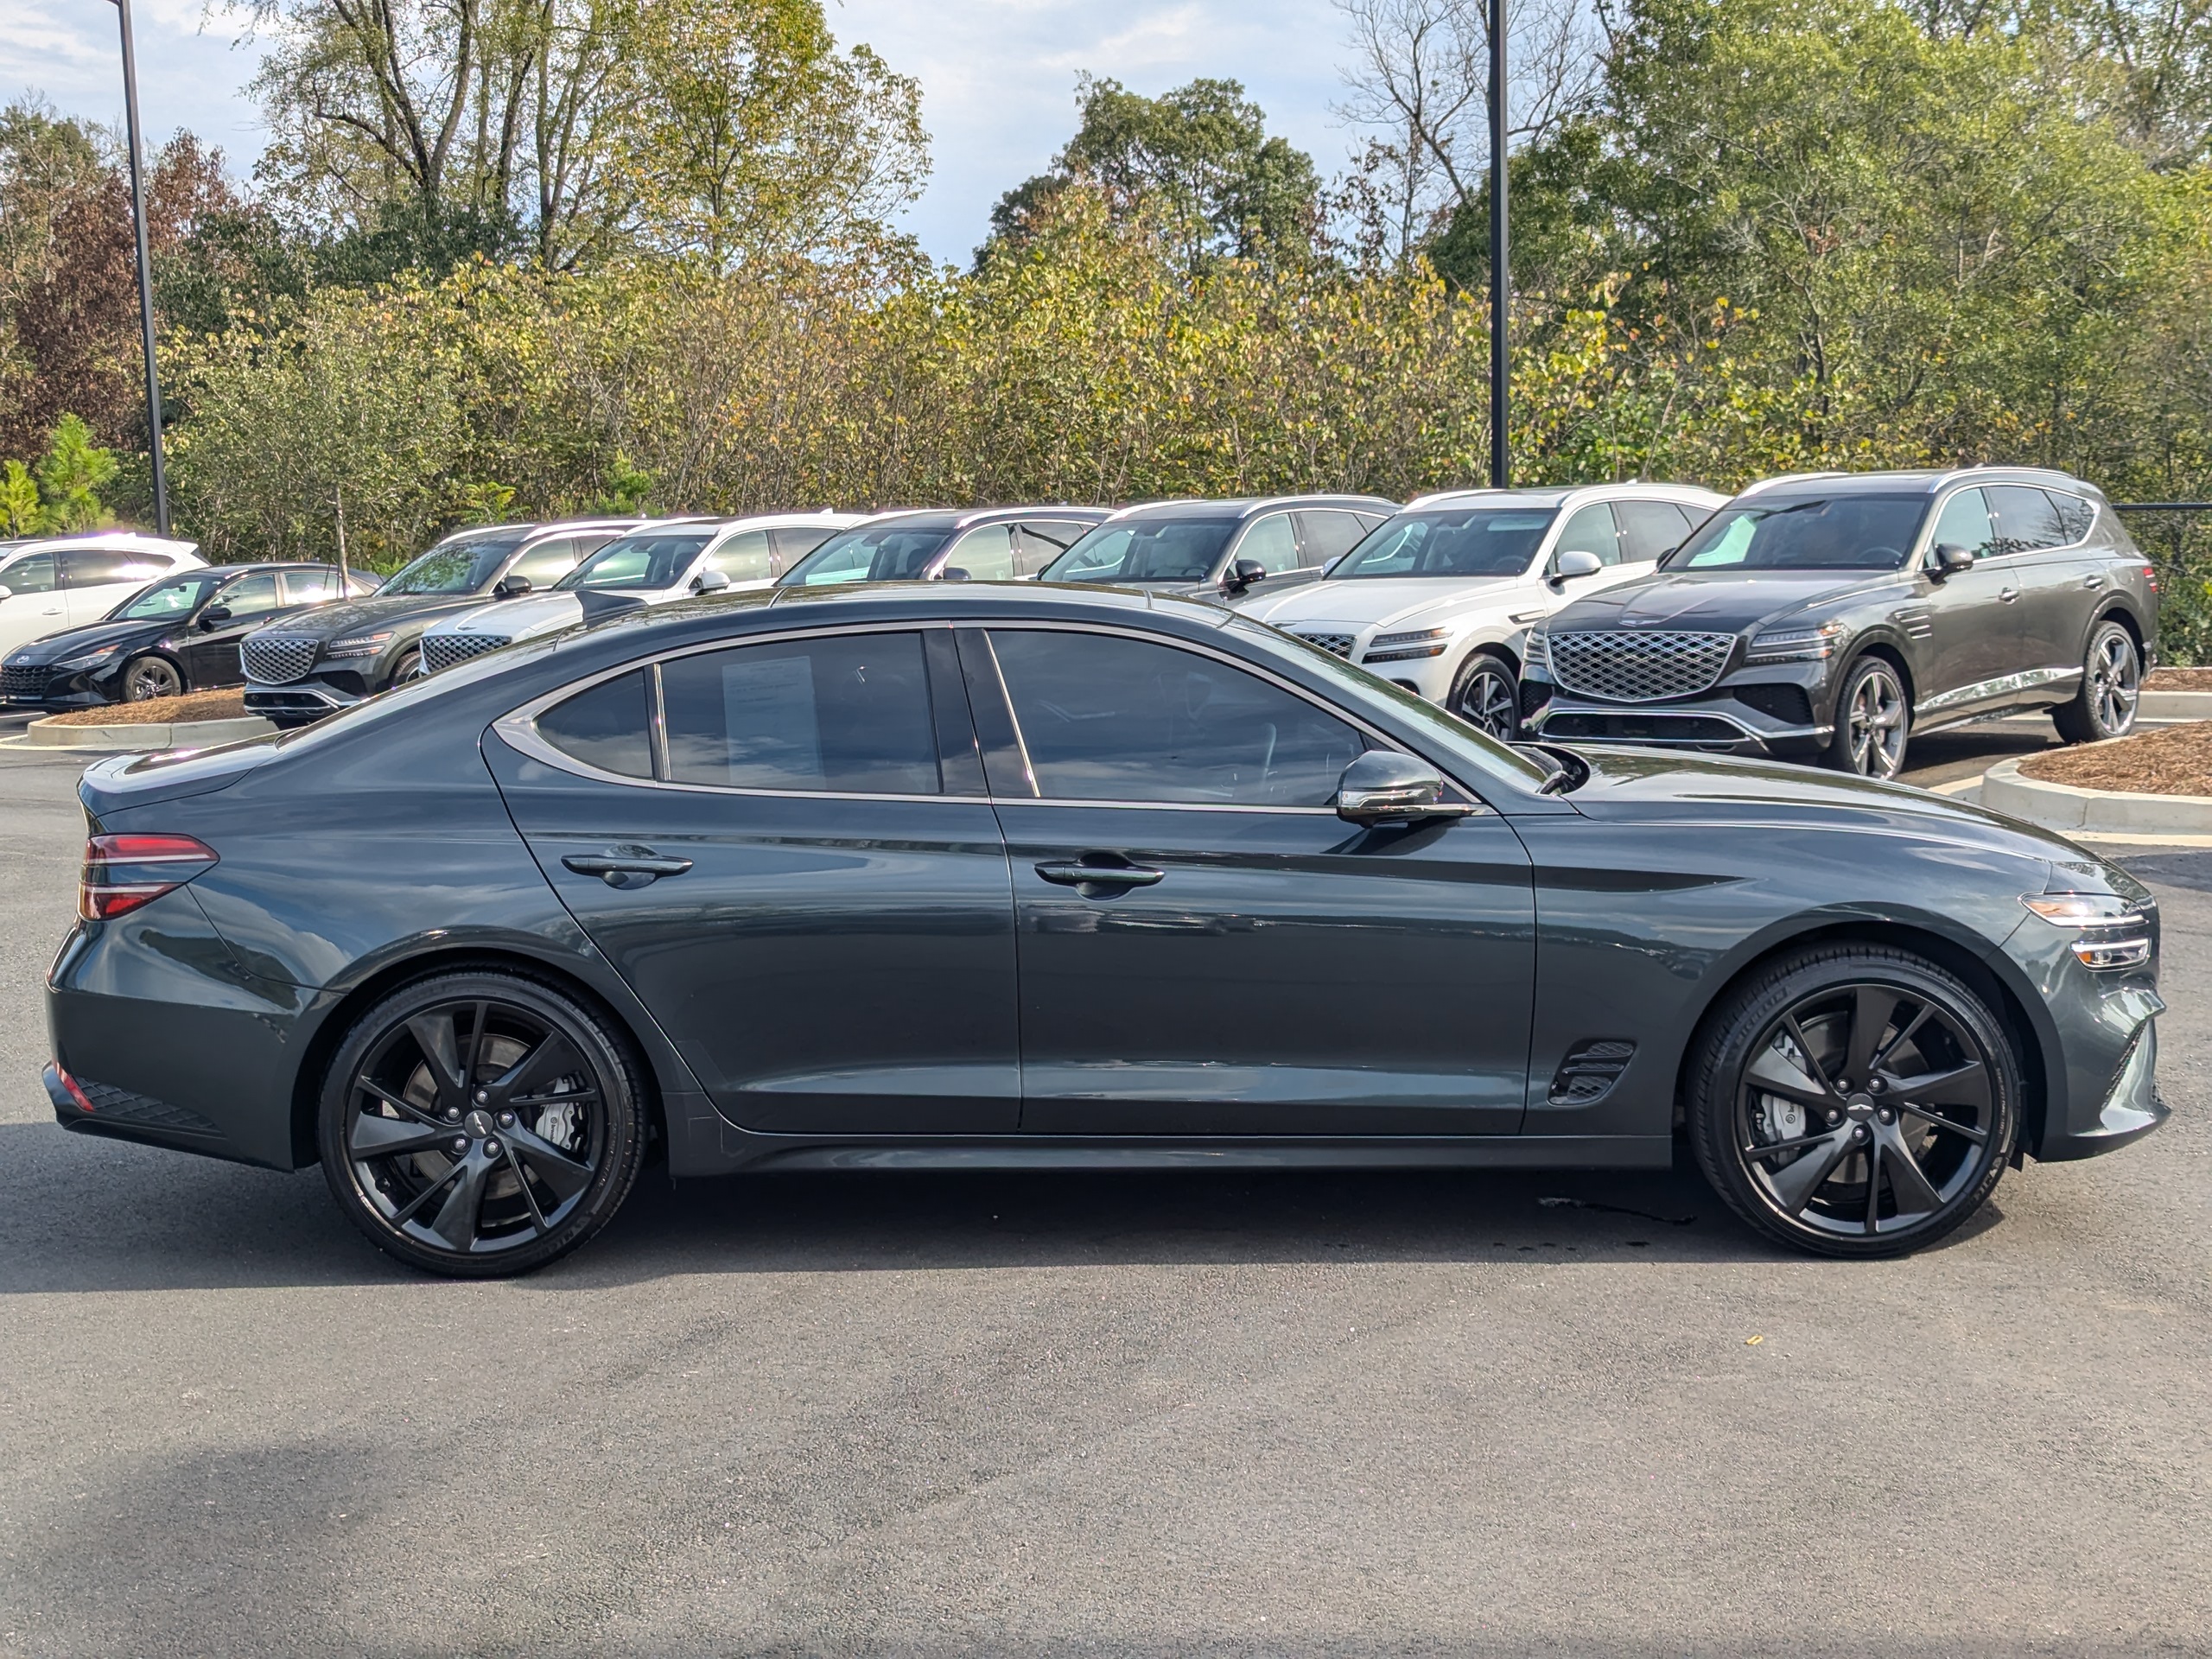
324, 692
1779, 712
55, 688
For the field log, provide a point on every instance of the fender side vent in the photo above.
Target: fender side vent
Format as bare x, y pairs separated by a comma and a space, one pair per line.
114, 1105
1590, 1070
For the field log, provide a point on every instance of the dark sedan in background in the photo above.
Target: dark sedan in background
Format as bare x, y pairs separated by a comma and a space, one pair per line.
303, 668
1830, 616
175, 635
1221, 550
974, 874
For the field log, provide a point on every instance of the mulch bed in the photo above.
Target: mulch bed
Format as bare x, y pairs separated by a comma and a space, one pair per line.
2173, 760
2179, 679
193, 705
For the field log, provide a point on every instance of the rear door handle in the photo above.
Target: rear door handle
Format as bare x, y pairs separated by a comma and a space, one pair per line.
2093, 582
2007, 595
626, 867
1104, 878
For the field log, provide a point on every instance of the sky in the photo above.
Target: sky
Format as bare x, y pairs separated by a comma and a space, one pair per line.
998, 76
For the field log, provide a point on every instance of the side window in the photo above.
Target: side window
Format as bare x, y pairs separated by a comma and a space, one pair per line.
1270, 540
746, 556
790, 543
986, 553
1325, 536
846, 712
310, 586
250, 595
547, 562
605, 727
592, 541
2075, 515
93, 567
1038, 542
1649, 528
2025, 518
1964, 522
1105, 718
1590, 530
33, 574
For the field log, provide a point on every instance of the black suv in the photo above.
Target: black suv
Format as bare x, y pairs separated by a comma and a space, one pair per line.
1829, 616
304, 667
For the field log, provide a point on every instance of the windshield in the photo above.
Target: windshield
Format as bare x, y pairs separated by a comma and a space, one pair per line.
877, 553
1145, 549
457, 566
173, 596
1453, 542
1839, 532
648, 560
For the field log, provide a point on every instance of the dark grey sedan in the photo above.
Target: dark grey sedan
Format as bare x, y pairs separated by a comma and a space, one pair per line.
968, 874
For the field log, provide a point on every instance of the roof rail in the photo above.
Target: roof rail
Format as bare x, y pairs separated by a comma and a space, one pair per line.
1756, 485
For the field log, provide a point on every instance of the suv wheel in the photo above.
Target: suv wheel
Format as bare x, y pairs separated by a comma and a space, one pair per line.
409, 667
1873, 721
2112, 682
1854, 1101
1486, 694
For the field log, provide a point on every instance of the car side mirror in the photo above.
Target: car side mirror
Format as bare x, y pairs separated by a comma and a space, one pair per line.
1384, 787
511, 588
952, 573
215, 616
710, 581
7, 593
1242, 575
1571, 564
1950, 559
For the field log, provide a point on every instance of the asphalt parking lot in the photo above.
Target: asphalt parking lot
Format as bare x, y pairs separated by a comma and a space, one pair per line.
999, 1415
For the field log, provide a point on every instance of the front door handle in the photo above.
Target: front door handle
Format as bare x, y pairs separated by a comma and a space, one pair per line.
1093, 880
2007, 595
626, 867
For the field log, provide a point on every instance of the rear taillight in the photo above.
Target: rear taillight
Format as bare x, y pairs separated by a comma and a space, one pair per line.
2150, 575
124, 872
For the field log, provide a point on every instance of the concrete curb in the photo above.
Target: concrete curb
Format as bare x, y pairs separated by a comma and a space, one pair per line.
48, 733
2176, 705
2091, 812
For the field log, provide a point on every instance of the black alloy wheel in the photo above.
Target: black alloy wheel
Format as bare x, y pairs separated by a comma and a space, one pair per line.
480, 1123
1854, 1101
1873, 721
1486, 694
410, 667
2112, 685
147, 677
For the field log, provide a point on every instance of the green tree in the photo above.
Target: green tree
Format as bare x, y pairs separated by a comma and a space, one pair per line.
71, 475
21, 511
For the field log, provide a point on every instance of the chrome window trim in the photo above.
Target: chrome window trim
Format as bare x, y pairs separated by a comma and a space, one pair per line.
1917, 565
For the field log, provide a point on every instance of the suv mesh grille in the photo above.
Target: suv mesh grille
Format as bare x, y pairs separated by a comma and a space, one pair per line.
1337, 645
1640, 665
444, 649
277, 660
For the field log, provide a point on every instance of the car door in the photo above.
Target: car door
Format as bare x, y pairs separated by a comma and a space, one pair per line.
1272, 540
1973, 618
801, 879
210, 642
1205, 947
2053, 579
983, 554
95, 580
35, 604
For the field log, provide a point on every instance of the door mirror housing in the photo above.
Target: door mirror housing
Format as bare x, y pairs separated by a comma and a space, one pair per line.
1571, 564
709, 581
1383, 787
215, 616
1950, 559
6, 592
952, 573
511, 588
1242, 575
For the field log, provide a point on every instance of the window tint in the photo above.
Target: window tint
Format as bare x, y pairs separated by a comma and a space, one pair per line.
250, 595
1773, 532
746, 556
1451, 542
1649, 528
33, 574
459, 565
792, 544
591, 541
605, 726
986, 553
1036, 546
1272, 542
310, 586
880, 553
1106, 718
95, 567
2075, 515
649, 560
1964, 522
171, 598
1590, 530
2024, 518
1145, 549
547, 562
1323, 535
850, 712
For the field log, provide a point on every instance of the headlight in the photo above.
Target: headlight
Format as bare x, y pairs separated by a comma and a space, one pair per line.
366, 644
2114, 933
1404, 647
1796, 645
91, 659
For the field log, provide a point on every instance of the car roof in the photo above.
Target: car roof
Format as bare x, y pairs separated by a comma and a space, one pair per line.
1243, 506
1917, 481
127, 541
1558, 495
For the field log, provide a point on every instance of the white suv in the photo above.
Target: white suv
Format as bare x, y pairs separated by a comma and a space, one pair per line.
649, 565
65, 582
1440, 598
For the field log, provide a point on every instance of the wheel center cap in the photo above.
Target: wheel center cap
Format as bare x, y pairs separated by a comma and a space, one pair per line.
477, 1124
1860, 1107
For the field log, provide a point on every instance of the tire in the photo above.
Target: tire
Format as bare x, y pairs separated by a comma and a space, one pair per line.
409, 667
444, 1102
2112, 687
1788, 1146
144, 678
1486, 694
1873, 721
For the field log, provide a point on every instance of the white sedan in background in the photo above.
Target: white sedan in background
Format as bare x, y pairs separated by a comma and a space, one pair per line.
54, 582
1440, 598
655, 562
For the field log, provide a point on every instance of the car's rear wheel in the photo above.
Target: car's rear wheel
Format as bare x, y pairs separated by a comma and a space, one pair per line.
145, 678
1486, 694
481, 1123
1873, 721
2112, 683
1854, 1101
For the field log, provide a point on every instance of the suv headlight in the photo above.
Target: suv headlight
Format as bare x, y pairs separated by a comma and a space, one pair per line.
1405, 647
2113, 932
1808, 645
363, 644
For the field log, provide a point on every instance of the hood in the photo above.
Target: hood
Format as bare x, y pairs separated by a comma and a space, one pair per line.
1715, 600
516, 619
366, 615
75, 642
1384, 601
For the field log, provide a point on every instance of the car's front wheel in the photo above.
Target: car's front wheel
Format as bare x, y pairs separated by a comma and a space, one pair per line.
410, 667
481, 1123
1486, 694
1873, 721
2112, 683
145, 678
1854, 1101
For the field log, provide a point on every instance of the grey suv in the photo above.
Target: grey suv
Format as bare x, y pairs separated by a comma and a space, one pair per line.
1829, 616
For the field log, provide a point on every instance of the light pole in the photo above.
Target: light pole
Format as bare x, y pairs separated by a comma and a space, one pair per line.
1500, 286
145, 268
